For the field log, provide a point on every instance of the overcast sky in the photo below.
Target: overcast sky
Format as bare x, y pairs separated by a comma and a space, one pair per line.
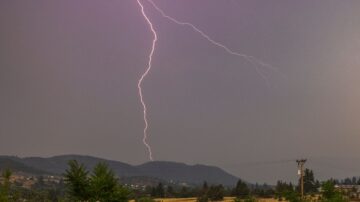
69, 70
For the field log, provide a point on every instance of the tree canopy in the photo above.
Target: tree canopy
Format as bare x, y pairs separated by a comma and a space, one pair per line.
100, 185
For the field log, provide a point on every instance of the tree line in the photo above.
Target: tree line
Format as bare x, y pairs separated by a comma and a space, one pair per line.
101, 184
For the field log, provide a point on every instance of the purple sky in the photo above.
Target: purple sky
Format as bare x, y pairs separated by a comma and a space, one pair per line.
69, 70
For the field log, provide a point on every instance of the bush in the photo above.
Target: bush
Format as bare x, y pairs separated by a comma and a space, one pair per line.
144, 199
203, 198
330, 194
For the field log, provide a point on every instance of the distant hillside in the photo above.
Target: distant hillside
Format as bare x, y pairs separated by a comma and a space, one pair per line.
16, 166
180, 172
167, 171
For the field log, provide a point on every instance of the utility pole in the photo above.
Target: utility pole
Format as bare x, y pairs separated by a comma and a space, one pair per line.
301, 163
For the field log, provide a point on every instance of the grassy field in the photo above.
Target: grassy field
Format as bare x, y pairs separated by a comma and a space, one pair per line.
226, 199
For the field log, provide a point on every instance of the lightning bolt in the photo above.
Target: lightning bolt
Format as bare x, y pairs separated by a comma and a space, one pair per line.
252, 60
142, 79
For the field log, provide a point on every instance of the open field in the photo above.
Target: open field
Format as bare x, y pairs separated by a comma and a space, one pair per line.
226, 199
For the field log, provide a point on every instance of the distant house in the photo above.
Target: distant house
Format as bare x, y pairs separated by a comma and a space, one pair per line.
353, 191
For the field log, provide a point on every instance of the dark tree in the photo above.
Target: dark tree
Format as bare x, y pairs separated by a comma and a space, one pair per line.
205, 187
216, 193
153, 192
346, 181
310, 185
77, 181
241, 190
5, 186
160, 191
104, 185
353, 180
203, 193
282, 189
184, 192
170, 192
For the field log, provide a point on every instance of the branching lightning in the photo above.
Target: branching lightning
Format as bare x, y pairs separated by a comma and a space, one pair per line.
142, 78
255, 62
252, 60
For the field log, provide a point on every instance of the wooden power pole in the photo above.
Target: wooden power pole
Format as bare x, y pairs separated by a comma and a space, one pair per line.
301, 163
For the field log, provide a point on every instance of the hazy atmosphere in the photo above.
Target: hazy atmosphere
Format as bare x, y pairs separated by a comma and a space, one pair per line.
69, 72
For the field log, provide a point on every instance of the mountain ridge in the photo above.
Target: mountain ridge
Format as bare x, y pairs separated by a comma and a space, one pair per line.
175, 172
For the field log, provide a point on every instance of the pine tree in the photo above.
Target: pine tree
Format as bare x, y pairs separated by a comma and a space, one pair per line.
77, 181
310, 185
241, 190
104, 185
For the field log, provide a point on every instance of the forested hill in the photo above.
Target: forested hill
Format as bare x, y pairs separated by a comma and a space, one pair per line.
168, 171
